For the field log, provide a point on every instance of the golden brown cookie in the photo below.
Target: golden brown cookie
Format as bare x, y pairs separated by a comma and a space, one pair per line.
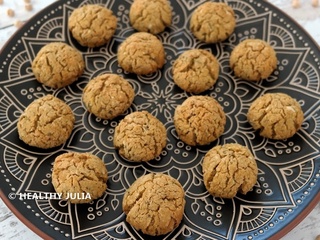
195, 70
79, 177
140, 137
92, 25
212, 22
229, 169
199, 120
46, 123
154, 204
57, 65
141, 53
253, 60
151, 16
276, 115
108, 95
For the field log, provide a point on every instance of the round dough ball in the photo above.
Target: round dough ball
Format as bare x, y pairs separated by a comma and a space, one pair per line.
92, 25
79, 177
195, 70
46, 123
108, 95
212, 22
277, 116
228, 169
151, 16
141, 53
199, 120
154, 204
58, 65
253, 60
140, 137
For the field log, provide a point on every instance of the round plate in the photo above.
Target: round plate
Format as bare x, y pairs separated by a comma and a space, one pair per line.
288, 181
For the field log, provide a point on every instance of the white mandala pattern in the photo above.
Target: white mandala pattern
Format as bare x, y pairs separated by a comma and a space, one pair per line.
289, 170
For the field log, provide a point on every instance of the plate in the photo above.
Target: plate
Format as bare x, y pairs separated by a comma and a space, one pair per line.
289, 171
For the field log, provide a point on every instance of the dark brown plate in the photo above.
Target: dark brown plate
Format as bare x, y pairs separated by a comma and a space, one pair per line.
289, 171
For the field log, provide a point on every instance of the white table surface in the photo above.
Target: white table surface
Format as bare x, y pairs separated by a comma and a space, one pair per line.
306, 15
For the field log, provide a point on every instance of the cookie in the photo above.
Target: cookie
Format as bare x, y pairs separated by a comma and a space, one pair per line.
212, 22
58, 65
199, 120
151, 16
276, 115
141, 53
108, 95
195, 70
229, 169
140, 137
92, 25
154, 204
79, 177
46, 123
253, 60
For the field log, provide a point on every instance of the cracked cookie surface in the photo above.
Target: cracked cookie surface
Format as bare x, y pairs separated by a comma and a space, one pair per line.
140, 137
212, 22
141, 53
195, 70
229, 169
154, 204
46, 123
108, 95
253, 60
199, 120
276, 115
151, 16
92, 25
58, 65
74, 174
